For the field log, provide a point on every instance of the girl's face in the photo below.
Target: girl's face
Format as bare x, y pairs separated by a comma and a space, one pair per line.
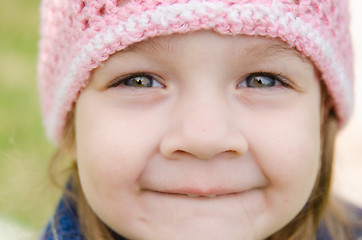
199, 136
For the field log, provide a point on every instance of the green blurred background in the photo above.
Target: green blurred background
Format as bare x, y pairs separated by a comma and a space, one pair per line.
26, 195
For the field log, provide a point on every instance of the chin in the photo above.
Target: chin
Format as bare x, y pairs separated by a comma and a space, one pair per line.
203, 229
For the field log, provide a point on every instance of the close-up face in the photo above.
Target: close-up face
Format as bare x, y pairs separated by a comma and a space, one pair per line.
199, 136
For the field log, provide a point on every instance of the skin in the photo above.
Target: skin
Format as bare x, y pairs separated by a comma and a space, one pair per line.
200, 154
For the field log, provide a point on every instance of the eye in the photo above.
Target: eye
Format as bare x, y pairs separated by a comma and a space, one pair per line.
136, 80
262, 80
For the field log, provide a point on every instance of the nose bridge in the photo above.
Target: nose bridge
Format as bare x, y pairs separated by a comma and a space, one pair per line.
205, 118
203, 126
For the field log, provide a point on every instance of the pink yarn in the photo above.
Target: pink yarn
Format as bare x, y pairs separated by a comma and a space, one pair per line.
77, 35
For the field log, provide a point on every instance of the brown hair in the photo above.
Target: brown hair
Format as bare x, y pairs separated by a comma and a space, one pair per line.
320, 207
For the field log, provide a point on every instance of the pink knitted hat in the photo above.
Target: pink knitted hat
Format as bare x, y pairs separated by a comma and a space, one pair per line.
77, 35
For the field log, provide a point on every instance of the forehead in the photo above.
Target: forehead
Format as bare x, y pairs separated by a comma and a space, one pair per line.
235, 45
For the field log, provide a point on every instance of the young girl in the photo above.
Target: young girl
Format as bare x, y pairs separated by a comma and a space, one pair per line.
196, 119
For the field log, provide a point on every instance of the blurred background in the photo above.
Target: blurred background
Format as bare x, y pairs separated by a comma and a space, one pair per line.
27, 198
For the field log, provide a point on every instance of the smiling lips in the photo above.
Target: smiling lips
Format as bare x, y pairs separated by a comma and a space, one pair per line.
199, 193
196, 195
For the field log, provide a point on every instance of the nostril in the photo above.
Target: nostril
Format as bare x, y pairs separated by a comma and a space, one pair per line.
180, 154
177, 145
232, 153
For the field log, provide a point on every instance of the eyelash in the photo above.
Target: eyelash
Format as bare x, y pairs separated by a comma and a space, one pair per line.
277, 80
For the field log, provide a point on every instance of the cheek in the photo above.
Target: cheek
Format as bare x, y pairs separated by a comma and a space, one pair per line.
291, 155
101, 163
285, 143
113, 146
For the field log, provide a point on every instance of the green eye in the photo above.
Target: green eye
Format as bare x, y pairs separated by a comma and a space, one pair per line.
136, 80
261, 80
139, 82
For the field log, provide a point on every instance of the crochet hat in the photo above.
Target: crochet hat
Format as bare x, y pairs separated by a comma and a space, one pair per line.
77, 35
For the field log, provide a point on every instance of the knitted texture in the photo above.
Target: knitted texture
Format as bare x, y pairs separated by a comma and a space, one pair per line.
77, 35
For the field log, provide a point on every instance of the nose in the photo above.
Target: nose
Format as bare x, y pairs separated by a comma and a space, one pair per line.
203, 127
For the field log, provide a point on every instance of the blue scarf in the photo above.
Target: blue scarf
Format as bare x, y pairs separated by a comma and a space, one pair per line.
64, 225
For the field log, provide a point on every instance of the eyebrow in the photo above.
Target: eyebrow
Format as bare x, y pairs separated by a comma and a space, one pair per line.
151, 46
274, 48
